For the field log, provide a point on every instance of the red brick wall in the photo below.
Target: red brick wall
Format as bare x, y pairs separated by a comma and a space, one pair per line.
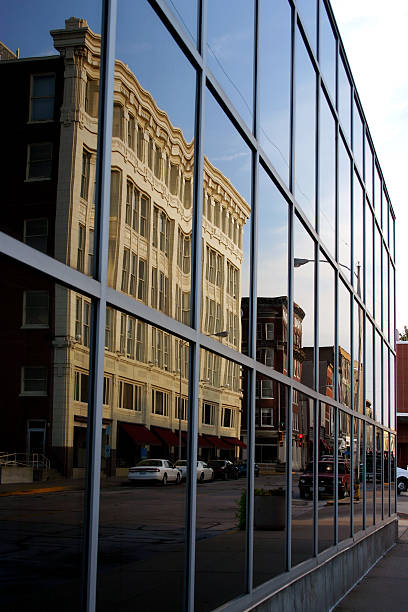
402, 377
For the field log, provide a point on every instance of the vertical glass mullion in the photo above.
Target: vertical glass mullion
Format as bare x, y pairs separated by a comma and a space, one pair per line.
194, 348
96, 365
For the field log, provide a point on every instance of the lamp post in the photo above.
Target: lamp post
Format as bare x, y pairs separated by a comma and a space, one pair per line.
182, 343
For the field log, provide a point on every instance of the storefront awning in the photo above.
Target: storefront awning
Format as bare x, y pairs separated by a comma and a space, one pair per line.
218, 442
234, 442
140, 434
168, 436
204, 443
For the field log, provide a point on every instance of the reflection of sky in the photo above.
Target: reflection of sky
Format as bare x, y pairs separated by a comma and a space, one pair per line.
186, 13
344, 318
327, 51
344, 206
26, 24
274, 74
305, 130
326, 302
344, 92
327, 204
307, 11
145, 45
272, 239
304, 281
230, 51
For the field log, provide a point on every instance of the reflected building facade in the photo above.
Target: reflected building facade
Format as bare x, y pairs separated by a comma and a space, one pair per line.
197, 247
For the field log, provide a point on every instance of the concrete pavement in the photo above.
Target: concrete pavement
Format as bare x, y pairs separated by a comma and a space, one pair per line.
385, 587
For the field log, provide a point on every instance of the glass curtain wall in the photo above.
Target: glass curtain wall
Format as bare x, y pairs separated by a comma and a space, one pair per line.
200, 302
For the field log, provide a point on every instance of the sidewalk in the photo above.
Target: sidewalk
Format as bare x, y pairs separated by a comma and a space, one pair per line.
385, 587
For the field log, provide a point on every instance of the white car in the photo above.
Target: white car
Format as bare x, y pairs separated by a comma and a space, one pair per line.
402, 480
159, 470
203, 471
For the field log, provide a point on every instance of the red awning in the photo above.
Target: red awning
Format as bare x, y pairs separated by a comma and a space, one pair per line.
140, 434
234, 442
218, 442
204, 443
167, 435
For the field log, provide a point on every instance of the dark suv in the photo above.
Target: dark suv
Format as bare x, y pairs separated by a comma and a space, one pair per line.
223, 468
325, 479
242, 469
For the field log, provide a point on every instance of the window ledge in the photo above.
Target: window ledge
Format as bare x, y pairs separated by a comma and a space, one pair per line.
37, 180
33, 394
34, 326
40, 121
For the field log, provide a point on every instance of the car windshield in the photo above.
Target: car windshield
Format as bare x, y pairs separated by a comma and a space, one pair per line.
156, 462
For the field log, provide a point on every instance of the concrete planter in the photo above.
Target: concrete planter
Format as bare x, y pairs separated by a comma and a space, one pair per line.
270, 512
14, 474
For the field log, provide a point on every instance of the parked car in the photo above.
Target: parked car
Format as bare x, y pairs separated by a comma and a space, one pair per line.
159, 470
325, 479
242, 469
223, 468
203, 471
402, 480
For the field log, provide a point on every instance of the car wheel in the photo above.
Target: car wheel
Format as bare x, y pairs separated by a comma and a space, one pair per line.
164, 480
201, 479
402, 485
178, 479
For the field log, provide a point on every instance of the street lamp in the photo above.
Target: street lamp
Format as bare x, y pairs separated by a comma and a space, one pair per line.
182, 343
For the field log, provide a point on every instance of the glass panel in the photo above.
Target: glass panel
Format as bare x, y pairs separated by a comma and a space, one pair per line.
393, 465
272, 307
392, 305
47, 188
305, 137
369, 372
392, 390
378, 379
275, 67
357, 138
344, 476
358, 468
308, 14
358, 348
387, 467
226, 227
325, 475
386, 388
344, 100
43, 440
326, 327
344, 208
327, 176
230, 43
151, 181
384, 215
377, 193
344, 357
270, 488
220, 534
303, 296
379, 476
327, 51
302, 480
368, 169
369, 267
370, 477
377, 275
392, 236
186, 13
358, 232
386, 292
146, 414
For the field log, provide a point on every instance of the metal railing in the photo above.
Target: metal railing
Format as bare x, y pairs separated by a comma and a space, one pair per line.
34, 460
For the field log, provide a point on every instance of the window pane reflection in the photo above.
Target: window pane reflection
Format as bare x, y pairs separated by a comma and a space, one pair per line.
275, 59
145, 449
379, 491
305, 109
308, 15
368, 169
150, 230
272, 307
369, 266
327, 50
302, 480
344, 357
357, 137
344, 93
326, 477
270, 487
230, 44
303, 328
345, 493
358, 234
344, 206
186, 13
393, 465
358, 468
378, 379
358, 358
392, 390
43, 439
387, 466
327, 176
370, 476
369, 372
326, 327
220, 534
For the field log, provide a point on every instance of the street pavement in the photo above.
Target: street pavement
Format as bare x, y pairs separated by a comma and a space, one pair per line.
385, 587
